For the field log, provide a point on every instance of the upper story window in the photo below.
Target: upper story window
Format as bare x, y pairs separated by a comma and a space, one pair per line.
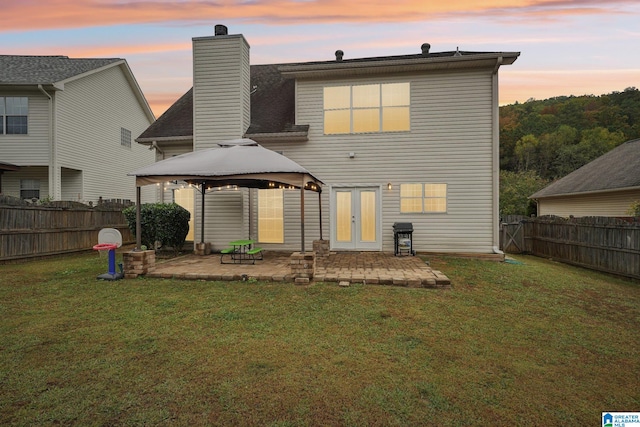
419, 198
14, 113
125, 137
367, 108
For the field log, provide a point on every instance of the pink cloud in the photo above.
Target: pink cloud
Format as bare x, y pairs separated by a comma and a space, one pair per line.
27, 15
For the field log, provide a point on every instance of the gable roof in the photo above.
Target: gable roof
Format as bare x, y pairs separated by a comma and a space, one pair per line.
619, 169
54, 71
45, 70
273, 96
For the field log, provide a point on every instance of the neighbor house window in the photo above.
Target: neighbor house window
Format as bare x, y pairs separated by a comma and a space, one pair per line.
367, 108
125, 137
271, 216
29, 189
14, 113
419, 198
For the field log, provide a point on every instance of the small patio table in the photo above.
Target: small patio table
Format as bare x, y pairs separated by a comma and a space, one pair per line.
240, 251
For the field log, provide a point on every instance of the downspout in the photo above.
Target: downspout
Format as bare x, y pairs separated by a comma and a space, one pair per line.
154, 144
496, 159
53, 161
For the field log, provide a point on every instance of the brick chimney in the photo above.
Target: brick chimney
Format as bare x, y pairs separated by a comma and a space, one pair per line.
221, 80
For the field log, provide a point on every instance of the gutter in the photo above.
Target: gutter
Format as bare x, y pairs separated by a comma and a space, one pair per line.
279, 136
496, 158
53, 160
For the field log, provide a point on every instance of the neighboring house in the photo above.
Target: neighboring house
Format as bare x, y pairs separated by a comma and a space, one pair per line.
411, 138
604, 187
68, 125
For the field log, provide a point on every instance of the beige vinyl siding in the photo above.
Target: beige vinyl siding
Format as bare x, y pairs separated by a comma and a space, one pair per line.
451, 142
71, 183
221, 81
90, 114
614, 203
164, 194
223, 218
31, 149
11, 180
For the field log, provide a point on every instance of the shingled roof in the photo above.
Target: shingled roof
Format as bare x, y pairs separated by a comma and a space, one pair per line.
616, 170
272, 108
31, 70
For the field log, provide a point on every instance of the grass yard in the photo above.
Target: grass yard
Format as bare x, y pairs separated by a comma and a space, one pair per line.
534, 344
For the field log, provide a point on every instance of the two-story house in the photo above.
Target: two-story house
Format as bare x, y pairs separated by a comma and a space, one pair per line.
410, 138
67, 127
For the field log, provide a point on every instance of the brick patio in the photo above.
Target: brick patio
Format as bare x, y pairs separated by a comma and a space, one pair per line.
352, 267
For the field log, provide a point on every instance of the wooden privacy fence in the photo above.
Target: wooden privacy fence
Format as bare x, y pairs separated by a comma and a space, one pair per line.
33, 231
605, 244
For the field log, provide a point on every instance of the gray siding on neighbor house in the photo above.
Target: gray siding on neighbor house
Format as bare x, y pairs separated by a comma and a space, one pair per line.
32, 149
221, 79
11, 180
613, 203
451, 141
90, 114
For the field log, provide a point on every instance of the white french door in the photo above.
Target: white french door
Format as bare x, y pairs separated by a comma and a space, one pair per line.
355, 218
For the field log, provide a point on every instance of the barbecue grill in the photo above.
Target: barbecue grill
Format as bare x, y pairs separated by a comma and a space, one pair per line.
403, 238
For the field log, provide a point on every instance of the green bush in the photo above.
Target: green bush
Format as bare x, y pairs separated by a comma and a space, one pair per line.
634, 209
167, 224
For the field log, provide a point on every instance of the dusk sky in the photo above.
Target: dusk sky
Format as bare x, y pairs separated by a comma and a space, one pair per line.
567, 47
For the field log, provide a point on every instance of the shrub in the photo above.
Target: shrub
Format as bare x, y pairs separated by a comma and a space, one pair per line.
634, 209
167, 224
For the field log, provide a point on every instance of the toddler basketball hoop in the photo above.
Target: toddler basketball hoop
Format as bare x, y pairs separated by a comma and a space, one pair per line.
109, 239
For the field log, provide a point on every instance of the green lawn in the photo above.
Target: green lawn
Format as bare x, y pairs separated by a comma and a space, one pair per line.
534, 344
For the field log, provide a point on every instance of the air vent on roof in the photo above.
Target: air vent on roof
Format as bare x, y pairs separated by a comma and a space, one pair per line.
339, 55
425, 49
221, 30
457, 52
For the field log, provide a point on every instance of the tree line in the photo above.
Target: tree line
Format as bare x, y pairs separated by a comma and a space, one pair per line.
544, 140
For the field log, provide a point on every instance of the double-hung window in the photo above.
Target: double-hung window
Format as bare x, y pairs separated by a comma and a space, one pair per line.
29, 189
367, 108
423, 198
14, 114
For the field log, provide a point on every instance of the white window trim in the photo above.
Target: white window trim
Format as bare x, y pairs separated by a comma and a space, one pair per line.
424, 198
380, 109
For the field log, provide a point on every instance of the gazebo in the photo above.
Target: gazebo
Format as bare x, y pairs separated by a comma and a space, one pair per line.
240, 163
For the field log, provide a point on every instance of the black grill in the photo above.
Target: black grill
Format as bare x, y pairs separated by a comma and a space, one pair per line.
403, 238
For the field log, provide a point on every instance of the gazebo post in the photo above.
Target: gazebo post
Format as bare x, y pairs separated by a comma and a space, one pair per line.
138, 220
302, 216
320, 211
202, 216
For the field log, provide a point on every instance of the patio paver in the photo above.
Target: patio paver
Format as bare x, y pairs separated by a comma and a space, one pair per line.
353, 267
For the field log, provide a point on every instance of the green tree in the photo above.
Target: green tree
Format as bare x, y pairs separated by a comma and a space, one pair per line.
515, 189
526, 151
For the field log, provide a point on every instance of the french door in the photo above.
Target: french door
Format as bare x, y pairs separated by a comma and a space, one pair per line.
355, 218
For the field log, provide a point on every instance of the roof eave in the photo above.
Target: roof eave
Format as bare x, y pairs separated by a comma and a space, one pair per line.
302, 136
55, 86
584, 193
151, 140
346, 68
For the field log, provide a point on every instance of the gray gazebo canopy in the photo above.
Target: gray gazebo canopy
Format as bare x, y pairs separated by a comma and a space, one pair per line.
239, 162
